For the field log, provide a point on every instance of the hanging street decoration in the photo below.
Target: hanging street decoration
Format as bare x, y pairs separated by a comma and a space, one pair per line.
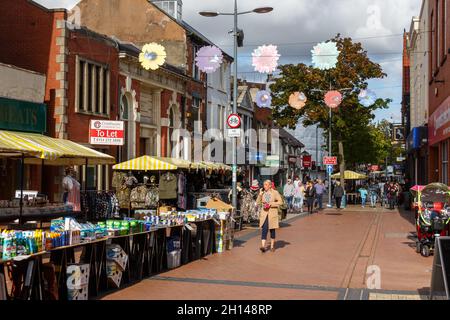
333, 99
209, 59
367, 98
263, 99
153, 56
265, 59
325, 55
297, 100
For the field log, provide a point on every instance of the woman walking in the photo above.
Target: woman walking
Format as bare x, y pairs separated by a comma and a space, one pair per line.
310, 194
270, 199
338, 194
299, 197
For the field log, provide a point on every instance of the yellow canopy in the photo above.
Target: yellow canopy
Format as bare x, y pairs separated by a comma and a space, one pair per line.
215, 166
350, 175
146, 163
179, 163
53, 151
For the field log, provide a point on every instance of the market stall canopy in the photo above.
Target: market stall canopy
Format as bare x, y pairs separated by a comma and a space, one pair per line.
215, 166
146, 163
181, 163
40, 149
350, 175
219, 205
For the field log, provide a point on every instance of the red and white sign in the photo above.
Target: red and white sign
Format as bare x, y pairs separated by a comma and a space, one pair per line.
107, 133
439, 123
330, 161
234, 121
307, 161
375, 168
292, 159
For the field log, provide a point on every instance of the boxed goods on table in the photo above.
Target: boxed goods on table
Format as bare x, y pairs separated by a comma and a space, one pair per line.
78, 281
115, 253
113, 273
174, 259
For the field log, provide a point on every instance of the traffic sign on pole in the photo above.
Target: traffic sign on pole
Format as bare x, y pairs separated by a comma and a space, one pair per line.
330, 169
330, 161
234, 121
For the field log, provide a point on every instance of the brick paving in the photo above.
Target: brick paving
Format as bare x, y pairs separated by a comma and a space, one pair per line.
323, 256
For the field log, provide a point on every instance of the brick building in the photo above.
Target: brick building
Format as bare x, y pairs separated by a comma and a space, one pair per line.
439, 92
82, 78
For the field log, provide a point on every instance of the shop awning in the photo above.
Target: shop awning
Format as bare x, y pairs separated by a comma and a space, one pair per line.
145, 163
179, 163
215, 166
40, 149
350, 175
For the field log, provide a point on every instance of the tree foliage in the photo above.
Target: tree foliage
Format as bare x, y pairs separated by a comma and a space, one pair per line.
351, 122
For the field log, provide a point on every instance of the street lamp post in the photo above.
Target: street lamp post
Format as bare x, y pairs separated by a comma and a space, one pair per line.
235, 14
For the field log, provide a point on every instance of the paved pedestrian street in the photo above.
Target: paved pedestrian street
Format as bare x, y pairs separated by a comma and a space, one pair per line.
328, 256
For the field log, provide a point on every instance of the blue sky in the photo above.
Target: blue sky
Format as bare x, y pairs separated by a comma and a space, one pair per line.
296, 25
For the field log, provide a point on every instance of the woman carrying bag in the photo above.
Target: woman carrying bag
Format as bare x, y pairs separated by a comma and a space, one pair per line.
270, 200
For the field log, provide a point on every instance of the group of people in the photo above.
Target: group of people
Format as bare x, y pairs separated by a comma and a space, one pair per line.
296, 192
387, 193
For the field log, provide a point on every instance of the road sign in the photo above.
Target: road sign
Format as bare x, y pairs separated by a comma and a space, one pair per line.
330, 161
330, 169
109, 133
234, 133
234, 121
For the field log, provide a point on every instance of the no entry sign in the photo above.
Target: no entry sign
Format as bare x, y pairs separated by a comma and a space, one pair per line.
234, 121
109, 133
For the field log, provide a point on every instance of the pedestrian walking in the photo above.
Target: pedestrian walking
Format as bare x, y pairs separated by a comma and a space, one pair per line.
288, 193
392, 195
320, 190
363, 193
270, 200
299, 197
373, 194
310, 194
297, 181
338, 194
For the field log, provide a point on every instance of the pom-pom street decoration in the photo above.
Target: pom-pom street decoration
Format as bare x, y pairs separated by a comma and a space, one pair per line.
263, 99
367, 98
265, 59
297, 100
209, 59
333, 99
153, 56
325, 55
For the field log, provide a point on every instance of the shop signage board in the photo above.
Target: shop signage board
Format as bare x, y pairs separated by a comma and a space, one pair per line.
441, 268
292, 159
109, 133
333, 161
273, 161
439, 123
307, 161
375, 168
23, 116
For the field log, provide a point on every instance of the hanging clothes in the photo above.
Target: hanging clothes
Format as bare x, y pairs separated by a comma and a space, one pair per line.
118, 179
72, 187
137, 197
182, 194
168, 186
152, 198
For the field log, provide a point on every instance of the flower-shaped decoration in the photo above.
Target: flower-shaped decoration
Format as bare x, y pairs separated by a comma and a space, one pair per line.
263, 99
209, 59
297, 100
265, 59
153, 56
325, 55
367, 98
333, 99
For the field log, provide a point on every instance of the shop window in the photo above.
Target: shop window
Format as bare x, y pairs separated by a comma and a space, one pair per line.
92, 88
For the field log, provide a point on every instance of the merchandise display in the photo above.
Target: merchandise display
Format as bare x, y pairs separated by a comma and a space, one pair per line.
77, 281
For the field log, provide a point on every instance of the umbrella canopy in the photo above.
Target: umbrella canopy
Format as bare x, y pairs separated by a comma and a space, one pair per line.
350, 175
417, 188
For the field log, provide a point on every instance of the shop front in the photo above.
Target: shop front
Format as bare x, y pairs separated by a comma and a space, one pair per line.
438, 141
417, 147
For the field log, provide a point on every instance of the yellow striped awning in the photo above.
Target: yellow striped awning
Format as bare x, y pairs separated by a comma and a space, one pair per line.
145, 163
350, 175
179, 163
39, 148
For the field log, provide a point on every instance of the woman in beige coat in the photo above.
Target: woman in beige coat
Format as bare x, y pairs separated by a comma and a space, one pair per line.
270, 200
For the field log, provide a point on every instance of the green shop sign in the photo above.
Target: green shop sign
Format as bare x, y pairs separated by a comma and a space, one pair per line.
16, 115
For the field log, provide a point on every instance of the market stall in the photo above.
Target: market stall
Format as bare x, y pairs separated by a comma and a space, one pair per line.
31, 148
351, 197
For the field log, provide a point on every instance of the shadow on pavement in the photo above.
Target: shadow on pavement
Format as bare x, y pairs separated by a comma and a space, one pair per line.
281, 244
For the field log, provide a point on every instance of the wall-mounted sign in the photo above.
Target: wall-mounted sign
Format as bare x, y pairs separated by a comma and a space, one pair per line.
439, 123
273, 161
399, 133
292, 159
107, 133
307, 161
23, 116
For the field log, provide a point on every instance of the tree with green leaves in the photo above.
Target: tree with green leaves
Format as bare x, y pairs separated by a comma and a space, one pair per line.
351, 122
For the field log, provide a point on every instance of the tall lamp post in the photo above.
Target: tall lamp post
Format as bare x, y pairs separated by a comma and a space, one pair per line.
330, 151
235, 14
